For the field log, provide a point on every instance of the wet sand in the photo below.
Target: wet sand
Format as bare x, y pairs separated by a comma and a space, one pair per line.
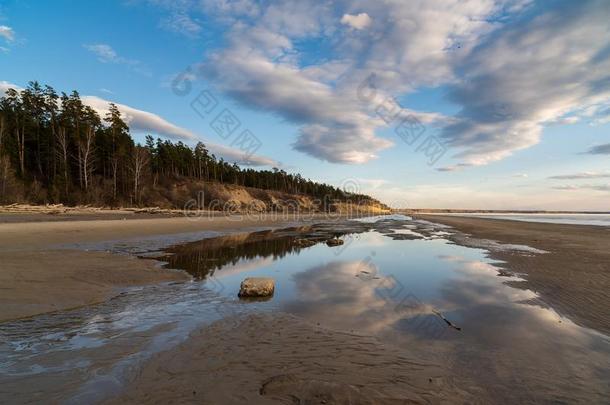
36, 282
40, 272
279, 358
573, 277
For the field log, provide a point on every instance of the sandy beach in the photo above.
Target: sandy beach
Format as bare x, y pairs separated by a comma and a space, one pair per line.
279, 202
41, 273
266, 359
573, 277
284, 357
42, 269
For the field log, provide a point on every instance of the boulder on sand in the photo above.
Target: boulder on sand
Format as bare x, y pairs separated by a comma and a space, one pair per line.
257, 287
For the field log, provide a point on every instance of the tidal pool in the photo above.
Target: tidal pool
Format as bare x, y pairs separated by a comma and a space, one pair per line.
398, 279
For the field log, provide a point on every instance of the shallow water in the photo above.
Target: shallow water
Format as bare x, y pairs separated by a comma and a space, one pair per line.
574, 219
396, 279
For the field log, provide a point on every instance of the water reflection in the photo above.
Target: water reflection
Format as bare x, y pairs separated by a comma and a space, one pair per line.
202, 258
396, 279
349, 295
402, 291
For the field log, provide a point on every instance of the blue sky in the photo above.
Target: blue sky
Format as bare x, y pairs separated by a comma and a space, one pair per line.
511, 94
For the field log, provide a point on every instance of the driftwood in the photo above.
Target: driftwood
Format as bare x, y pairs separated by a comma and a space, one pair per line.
447, 321
62, 209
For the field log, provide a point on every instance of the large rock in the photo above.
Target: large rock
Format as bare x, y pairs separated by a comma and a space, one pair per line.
257, 287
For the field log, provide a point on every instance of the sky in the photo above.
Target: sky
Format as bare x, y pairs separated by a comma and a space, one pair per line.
488, 104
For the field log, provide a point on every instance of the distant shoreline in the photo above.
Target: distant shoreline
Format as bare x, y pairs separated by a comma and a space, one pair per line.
517, 212
58, 209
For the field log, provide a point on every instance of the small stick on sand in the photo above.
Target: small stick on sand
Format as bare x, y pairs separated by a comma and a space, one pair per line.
448, 322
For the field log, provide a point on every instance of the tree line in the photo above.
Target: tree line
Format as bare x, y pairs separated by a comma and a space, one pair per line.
56, 149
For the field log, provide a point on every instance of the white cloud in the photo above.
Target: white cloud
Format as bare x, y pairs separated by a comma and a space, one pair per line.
565, 121
533, 73
576, 187
333, 128
181, 23
7, 33
358, 22
512, 66
147, 122
407, 47
453, 168
230, 9
106, 54
584, 175
4, 86
139, 120
491, 197
600, 149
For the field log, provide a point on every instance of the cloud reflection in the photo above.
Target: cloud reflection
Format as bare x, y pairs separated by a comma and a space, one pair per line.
350, 295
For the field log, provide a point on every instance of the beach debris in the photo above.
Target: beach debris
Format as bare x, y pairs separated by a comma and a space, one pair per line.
447, 321
257, 287
334, 242
56, 209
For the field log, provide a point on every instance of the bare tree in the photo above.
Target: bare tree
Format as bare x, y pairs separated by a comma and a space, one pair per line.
85, 148
140, 160
1, 132
114, 165
20, 134
5, 171
62, 143
13, 102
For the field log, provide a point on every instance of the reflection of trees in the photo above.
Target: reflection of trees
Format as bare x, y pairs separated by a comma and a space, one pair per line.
204, 257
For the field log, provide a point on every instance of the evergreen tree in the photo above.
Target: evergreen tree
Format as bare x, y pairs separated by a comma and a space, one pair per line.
54, 148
